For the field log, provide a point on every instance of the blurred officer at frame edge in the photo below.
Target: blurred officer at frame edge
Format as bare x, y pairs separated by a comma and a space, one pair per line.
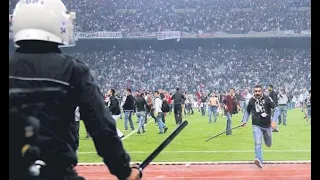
39, 28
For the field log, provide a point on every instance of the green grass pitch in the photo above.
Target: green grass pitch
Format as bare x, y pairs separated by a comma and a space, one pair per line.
291, 143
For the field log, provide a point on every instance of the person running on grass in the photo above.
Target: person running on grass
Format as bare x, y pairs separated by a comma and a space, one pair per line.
262, 123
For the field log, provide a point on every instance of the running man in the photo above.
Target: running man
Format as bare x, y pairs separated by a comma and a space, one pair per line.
260, 106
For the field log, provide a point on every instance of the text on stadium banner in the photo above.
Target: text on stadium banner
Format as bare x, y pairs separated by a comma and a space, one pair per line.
168, 35
99, 35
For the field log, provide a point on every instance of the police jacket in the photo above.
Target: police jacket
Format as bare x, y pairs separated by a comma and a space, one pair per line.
39, 64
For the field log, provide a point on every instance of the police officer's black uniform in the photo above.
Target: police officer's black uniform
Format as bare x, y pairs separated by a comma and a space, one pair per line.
38, 64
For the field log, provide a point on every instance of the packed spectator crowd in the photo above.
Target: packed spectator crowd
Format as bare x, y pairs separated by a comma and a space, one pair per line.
193, 16
214, 69
217, 69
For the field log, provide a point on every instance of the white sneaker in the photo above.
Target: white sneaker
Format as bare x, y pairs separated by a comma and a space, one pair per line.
258, 162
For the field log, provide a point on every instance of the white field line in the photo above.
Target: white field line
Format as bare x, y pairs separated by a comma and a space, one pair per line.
130, 134
208, 163
227, 151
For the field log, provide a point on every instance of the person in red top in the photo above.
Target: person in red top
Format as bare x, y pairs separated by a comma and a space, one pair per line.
231, 105
168, 98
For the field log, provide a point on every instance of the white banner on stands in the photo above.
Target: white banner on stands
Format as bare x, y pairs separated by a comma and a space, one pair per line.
99, 35
289, 32
163, 35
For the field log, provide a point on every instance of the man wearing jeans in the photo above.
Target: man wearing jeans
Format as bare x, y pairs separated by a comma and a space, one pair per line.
128, 108
141, 106
230, 104
260, 106
158, 113
213, 106
283, 106
189, 97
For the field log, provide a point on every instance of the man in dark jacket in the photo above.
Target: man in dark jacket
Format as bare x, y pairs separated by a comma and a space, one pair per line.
128, 108
177, 105
39, 63
141, 107
260, 106
203, 104
113, 104
273, 95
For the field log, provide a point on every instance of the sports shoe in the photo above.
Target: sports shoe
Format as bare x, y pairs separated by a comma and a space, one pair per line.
258, 162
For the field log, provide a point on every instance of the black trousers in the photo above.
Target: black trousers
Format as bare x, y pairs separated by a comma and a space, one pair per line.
178, 113
163, 118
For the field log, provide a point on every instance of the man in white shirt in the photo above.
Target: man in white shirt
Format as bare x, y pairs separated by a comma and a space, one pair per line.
188, 103
247, 98
158, 113
294, 101
283, 106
